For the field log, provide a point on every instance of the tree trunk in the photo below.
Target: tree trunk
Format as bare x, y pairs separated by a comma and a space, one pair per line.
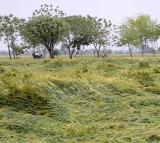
9, 52
153, 52
14, 54
94, 53
51, 53
97, 53
143, 46
13, 49
130, 52
70, 56
71, 52
82, 51
142, 50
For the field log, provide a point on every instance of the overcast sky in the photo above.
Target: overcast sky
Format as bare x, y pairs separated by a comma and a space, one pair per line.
114, 10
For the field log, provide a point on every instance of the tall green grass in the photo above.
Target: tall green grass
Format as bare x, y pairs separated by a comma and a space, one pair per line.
83, 100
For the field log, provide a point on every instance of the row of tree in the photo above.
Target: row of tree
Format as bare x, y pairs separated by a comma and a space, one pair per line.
138, 32
50, 26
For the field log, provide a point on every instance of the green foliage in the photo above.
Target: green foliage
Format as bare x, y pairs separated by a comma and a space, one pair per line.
137, 31
45, 28
78, 34
100, 31
47, 60
48, 10
10, 30
143, 65
155, 90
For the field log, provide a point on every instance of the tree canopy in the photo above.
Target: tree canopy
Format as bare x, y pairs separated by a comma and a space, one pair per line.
78, 34
10, 31
101, 32
137, 31
46, 30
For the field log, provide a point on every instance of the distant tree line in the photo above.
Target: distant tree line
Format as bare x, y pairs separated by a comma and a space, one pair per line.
138, 32
50, 26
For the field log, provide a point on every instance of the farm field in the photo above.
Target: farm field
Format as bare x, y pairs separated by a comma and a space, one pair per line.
89, 100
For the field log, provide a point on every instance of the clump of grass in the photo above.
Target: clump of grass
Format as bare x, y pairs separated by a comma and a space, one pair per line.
155, 90
47, 60
145, 77
143, 64
85, 70
153, 138
25, 94
2, 69
156, 70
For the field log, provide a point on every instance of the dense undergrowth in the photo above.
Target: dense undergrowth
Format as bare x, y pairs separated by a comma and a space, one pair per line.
113, 100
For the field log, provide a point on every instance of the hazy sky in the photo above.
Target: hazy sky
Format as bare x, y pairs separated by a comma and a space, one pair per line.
114, 10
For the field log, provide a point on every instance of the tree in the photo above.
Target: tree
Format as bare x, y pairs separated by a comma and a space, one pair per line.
46, 27
78, 34
144, 28
127, 35
100, 32
10, 26
19, 50
46, 30
137, 32
155, 33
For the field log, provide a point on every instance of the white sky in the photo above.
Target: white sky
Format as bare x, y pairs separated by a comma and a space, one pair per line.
114, 10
